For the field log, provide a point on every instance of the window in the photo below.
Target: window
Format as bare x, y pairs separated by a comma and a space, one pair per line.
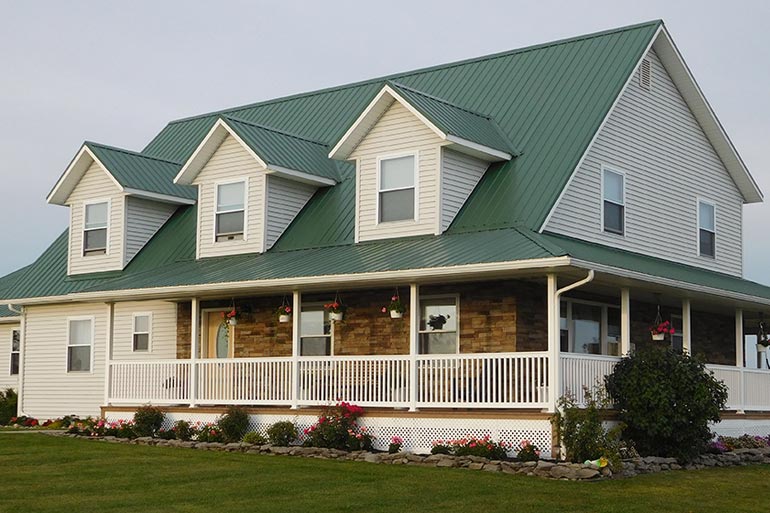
677, 339
706, 229
438, 325
79, 345
614, 202
142, 332
315, 331
230, 211
590, 328
95, 228
396, 194
15, 351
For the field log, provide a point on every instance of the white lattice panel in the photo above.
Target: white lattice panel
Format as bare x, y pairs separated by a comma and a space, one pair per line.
738, 427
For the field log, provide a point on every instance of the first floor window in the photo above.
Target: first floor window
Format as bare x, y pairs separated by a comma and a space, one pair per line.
614, 202
95, 228
15, 351
315, 331
677, 338
590, 328
79, 345
707, 231
142, 329
438, 325
396, 194
231, 200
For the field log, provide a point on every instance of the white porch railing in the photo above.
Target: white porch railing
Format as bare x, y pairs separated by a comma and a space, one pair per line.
581, 371
249, 381
748, 389
157, 382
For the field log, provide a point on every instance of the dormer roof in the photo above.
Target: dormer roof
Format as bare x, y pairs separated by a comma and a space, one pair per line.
133, 173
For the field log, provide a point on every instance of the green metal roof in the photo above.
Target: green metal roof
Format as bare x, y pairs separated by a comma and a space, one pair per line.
5, 284
282, 149
458, 121
141, 172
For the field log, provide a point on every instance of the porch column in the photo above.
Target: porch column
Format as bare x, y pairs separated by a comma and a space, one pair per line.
296, 309
108, 351
414, 323
739, 337
625, 321
195, 324
554, 342
686, 332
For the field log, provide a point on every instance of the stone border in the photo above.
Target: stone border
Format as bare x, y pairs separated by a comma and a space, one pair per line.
541, 468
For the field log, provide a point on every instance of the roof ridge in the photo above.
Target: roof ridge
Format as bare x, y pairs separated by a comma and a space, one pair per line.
419, 71
272, 129
438, 99
131, 152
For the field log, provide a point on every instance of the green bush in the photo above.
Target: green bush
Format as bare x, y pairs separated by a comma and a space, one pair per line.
210, 433
582, 432
255, 438
8, 403
148, 420
337, 429
183, 430
667, 400
282, 433
234, 424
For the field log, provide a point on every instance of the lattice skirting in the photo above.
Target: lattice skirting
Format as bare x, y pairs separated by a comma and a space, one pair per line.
418, 433
738, 427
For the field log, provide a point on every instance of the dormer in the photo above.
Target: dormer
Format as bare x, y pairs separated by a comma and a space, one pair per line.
252, 181
118, 199
418, 158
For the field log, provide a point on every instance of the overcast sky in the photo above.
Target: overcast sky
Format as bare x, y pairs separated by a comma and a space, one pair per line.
117, 72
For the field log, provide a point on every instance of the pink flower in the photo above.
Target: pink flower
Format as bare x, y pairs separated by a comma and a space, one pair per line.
394, 298
384, 310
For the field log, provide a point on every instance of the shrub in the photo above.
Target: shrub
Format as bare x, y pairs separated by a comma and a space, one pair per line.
472, 446
166, 434
210, 433
148, 420
120, 429
184, 431
528, 451
234, 424
8, 405
255, 438
395, 445
282, 433
337, 429
439, 447
667, 400
731, 443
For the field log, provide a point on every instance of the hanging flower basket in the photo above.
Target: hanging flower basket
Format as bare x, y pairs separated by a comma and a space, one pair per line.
395, 307
229, 319
658, 336
336, 309
283, 313
284, 318
395, 314
661, 328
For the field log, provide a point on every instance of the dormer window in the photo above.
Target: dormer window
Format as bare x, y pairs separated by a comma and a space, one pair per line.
230, 213
397, 189
95, 228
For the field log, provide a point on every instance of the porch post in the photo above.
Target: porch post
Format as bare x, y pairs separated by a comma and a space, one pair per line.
296, 309
625, 321
195, 324
414, 323
108, 351
554, 343
686, 332
739, 356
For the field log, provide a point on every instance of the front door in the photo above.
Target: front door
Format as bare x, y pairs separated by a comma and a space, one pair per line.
218, 338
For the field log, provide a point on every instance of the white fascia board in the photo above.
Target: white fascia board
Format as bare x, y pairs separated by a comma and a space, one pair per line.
299, 176
10, 320
163, 198
677, 68
485, 151
73, 174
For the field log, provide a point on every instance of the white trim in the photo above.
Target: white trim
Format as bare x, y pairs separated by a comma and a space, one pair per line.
198, 233
713, 205
76, 166
91, 345
416, 173
485, 150
85, 204
299, 176
265, 200
440, 190
205, 329
163, 198
148, 333
456, 297
604, 168
246, 186
314, 305
357, 225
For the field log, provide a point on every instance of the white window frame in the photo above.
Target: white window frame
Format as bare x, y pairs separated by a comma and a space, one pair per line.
391, 156
622, 174
90, 344
108, 201
245, 182
18, 352
456, 297
604, 324
314, 305
148, 333
713, 205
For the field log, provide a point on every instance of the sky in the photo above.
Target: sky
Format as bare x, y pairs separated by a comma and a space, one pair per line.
117, 72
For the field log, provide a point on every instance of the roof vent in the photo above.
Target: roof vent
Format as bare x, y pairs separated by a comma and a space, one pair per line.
645, 74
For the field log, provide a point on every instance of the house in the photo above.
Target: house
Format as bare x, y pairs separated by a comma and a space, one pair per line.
536, 211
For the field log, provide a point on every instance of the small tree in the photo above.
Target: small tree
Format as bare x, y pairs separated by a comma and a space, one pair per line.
666, 399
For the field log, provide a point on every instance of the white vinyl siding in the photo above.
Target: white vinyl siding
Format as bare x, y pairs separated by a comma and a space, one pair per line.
143, 219
398, 132
460, 174
668, 163
6, 379
96, 186
163, 329
285, 199
230, 162
49, 390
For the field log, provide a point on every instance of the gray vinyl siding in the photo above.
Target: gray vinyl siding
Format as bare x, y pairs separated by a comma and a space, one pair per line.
96, 185
654, 139
6, 379
162, 330
459, 175
49, 390
285, 198
143, 219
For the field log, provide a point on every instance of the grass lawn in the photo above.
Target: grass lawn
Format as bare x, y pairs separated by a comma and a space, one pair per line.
42, 473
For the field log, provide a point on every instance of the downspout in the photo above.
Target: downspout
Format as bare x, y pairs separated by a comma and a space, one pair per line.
14, 310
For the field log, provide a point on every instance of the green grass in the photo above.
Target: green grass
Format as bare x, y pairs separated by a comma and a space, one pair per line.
42, 473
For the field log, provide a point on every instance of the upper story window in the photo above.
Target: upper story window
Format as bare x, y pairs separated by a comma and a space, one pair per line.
397, 189
315, 331
95, 228
707, 230
142, 332
230, 213
79, 341
438, 325
613, 202
15, 351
